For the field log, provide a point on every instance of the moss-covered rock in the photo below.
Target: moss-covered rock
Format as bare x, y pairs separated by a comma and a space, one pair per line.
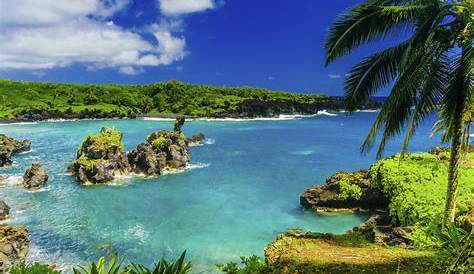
4, 210
10, 147
14, 245
35, 177
344, 191
162, 151
100, 158
197, 140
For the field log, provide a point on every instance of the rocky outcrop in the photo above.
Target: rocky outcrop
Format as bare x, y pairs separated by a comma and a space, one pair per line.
381, 228
196, 140
4, 210
35, 177
10, 147
178, 123
100, 158
344, 191
162, 151
14, 245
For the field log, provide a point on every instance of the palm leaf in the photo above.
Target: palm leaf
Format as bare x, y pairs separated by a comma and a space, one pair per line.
369, 22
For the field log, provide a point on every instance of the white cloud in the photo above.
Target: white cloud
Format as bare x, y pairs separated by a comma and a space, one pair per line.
131, 70
43, 34
334, 76
179, 7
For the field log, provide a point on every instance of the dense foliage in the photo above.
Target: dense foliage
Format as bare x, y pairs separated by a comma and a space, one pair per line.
35, 268
248, 265
51, 100
416, 188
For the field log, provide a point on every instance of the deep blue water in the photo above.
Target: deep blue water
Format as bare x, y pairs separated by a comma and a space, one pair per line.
243, 190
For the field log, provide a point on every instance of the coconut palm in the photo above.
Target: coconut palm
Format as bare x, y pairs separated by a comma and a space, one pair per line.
430, 71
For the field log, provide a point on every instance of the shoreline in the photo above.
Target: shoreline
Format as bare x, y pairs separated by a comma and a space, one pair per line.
172, 117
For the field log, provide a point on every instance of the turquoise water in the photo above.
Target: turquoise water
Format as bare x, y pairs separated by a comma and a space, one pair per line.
242, 190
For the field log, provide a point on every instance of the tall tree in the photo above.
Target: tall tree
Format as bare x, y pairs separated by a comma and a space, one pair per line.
432, 70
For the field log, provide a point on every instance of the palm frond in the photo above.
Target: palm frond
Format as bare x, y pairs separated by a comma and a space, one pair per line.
372, 74
429, 97
369, 22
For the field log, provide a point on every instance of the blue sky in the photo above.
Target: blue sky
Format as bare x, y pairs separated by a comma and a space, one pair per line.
275, 44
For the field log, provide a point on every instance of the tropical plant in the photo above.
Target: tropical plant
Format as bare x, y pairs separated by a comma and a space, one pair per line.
249, 265
432, 70
162, 267
102, 266
112, 265
35, 268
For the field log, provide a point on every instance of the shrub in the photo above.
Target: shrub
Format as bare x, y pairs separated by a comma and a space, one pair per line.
249, 265
348, 190
112, 265
416, 187
159, 143
35, 268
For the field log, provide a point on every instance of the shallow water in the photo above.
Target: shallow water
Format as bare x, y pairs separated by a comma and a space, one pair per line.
242, 190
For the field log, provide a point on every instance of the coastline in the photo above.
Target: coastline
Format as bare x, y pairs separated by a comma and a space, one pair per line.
172, 117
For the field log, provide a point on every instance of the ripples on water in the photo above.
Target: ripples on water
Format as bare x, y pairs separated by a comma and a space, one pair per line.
241, 189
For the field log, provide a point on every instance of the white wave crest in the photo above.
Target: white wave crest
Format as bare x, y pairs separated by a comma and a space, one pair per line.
368, 110
14, 180
209, 141
325, 112
157, 119
19, 123
198, 166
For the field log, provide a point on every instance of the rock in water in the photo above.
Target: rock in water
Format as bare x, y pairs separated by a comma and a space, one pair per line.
10, 147
344, 191
197, 140
35, 177
178, 123
100, 158
163, 151
4, 210
14, 245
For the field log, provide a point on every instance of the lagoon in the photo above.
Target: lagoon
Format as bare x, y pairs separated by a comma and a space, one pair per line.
241, 190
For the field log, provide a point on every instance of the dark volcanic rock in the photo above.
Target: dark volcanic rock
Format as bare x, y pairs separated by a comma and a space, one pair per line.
100, 158
4, 210
35, 177
178, 123
10, 147
344, 191
163, 151
197, 140
14, 245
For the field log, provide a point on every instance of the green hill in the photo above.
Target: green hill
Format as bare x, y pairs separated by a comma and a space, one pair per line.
37, 101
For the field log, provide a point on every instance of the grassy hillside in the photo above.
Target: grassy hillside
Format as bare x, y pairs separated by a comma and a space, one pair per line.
30, 100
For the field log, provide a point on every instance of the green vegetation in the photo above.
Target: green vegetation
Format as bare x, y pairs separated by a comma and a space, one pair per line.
423, 71
349, 191
348, 253
112, 265
107, 137
248, 265
50, 100
159, 142
35, 268
87, 163
416, 189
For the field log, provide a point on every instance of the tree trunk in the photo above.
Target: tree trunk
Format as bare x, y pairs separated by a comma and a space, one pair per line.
455, 159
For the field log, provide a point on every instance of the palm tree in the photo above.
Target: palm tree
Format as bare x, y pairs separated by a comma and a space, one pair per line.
432, 70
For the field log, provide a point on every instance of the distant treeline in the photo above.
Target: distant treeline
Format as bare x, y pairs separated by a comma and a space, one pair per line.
38, 101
